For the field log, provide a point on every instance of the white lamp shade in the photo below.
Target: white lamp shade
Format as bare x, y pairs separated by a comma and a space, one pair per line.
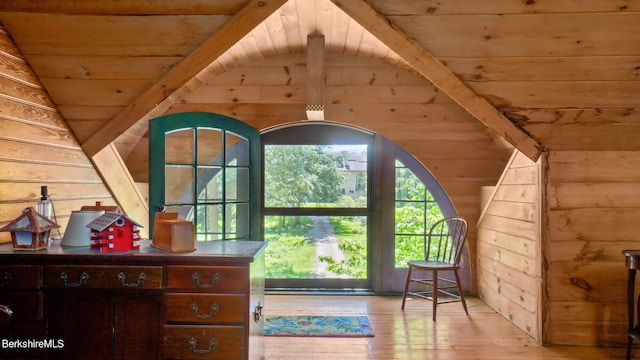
77, 232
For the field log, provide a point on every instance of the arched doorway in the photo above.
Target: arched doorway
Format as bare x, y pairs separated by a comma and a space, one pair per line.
382, 205
341, 206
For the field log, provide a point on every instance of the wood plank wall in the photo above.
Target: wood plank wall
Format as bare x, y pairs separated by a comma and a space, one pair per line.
38, 148
509, 251
403, 107
593, 214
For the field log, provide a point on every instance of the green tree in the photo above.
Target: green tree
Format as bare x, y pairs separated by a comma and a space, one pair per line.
300, 175
297, 175
416, 211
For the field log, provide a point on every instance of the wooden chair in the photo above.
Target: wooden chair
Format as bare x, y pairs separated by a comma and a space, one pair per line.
442, 253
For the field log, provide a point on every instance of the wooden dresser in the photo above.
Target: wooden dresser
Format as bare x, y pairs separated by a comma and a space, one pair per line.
75, 303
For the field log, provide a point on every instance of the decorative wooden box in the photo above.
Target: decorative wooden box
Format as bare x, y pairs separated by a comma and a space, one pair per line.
173, 234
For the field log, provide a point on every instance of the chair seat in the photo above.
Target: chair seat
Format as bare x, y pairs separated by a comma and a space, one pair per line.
432, 265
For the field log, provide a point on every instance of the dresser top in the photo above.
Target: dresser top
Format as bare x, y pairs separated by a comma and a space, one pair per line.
222, 250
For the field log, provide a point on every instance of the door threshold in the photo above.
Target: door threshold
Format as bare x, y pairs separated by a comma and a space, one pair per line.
300, 291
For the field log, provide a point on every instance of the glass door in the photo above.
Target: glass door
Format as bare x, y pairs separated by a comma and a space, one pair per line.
206, 168
317, 207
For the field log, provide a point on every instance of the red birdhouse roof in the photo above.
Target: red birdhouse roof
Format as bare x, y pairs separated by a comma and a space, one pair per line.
31, 221
105, 220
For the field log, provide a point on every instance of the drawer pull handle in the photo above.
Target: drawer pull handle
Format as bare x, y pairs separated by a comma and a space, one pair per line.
257, 314
84, 278
122, 278
215, 279
193, 345
5, 279
196, 312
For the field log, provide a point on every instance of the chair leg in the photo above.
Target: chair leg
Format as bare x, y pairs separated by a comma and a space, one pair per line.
464, 303
406, 287
435, 294
629, 343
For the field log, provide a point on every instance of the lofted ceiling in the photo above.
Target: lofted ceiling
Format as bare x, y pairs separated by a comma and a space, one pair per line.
555, 75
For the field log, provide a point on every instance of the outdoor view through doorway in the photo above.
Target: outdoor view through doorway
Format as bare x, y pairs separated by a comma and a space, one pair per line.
324, 187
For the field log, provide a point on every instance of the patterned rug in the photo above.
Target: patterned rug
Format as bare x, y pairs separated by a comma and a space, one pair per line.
322, 326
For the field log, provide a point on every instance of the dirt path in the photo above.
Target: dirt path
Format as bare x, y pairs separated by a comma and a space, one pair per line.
326, 245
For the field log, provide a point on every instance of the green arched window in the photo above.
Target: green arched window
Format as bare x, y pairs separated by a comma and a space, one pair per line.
206, 167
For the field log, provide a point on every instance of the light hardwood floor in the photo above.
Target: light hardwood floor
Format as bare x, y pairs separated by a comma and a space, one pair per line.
412, 334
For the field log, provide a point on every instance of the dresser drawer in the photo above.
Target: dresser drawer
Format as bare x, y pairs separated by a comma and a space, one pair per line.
20, 277
103, 277
208, 278
135, 277
205, 308
26, 305
67, 276
204, 342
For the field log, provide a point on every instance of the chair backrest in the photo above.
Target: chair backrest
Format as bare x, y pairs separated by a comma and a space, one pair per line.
446, 240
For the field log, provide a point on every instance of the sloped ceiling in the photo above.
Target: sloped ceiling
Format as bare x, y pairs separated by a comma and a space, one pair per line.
556, 75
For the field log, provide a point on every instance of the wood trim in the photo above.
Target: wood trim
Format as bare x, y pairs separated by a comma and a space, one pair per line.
545, 247
541, 188
115, 175
438, 74
175, 80
514, 154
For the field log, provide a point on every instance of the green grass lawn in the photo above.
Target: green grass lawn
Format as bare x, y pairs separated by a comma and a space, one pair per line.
291, 254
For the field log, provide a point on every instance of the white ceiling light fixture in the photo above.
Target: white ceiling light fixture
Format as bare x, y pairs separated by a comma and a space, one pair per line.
315, 112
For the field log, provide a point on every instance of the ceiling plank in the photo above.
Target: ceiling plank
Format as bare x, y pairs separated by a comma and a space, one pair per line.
241, 24
438, 74
119, 7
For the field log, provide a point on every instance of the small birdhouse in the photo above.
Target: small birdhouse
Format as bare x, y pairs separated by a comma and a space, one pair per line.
114, 231
30, 230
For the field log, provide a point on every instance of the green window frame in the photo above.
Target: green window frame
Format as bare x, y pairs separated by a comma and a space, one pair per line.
201, 195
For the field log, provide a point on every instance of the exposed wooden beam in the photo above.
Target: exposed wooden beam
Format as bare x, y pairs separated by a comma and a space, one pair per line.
123, 188
315, 77
438, 74
242, 23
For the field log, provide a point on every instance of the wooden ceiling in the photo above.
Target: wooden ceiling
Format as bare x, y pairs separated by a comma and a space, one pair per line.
555, 75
